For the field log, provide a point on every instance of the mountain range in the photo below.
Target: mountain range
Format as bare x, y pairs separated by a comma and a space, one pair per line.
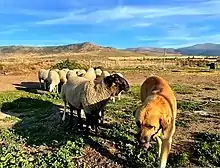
206, 49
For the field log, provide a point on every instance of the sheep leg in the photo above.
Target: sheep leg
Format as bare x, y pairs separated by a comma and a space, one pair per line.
88, 116
119, 96
50, 88
57, 89
113, 99
45, 85
79, 118
64, 111
71, 114
40, 83
96, 126
102, 116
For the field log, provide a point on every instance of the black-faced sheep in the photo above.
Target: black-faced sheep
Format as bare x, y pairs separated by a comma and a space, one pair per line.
91, 96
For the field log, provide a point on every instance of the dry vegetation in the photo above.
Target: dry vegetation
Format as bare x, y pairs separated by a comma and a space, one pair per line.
34, 136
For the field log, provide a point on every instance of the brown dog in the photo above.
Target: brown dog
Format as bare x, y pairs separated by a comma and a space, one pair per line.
156, 116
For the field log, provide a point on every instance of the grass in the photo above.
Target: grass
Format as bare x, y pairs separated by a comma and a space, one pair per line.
38, 138
184, 89
207, 149
186, 105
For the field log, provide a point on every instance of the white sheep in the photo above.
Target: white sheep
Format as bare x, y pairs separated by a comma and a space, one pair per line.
80, 93
53, 80
42, 75
57, 70
65, 69
62, 75
98, 72
81, 72
105, 74
71, 73
90, 74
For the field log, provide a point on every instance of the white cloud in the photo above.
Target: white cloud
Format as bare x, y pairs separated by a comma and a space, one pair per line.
141, 24
134, 12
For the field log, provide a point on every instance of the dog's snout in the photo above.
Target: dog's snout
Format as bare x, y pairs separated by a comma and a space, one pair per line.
146, 139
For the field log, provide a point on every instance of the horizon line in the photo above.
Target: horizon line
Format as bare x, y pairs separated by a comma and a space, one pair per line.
66, 44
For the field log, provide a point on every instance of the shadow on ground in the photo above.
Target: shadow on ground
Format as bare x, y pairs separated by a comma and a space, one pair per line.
40, 123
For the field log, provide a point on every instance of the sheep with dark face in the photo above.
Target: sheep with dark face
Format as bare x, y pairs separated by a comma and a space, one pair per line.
91, 96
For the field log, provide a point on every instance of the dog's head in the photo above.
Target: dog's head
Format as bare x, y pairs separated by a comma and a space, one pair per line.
120, 82
150, 124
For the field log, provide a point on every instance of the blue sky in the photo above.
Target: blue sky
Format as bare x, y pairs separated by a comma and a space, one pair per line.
116, 23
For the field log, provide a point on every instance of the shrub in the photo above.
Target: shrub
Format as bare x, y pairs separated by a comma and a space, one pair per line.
68, 64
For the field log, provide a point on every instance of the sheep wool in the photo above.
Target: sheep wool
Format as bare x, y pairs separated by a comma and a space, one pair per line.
71, 74
96, 96
105, 74
98, 72
62, 75
90, 74
42, 75
81, 72
53, 80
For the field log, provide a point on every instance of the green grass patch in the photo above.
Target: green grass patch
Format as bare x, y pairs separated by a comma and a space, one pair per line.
185, 105
179, 160
40, 139
184, 89
207, 149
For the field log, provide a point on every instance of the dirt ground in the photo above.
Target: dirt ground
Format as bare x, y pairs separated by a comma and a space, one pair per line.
10, 82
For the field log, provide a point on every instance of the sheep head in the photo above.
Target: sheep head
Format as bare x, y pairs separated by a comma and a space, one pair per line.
118, 81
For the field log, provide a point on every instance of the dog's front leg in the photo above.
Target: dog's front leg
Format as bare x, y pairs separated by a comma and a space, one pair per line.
159, 142
166, 145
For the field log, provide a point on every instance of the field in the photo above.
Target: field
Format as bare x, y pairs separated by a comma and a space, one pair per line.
33, 135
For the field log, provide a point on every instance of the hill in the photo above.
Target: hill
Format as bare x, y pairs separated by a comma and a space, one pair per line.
152, 49
206, 49
76, 48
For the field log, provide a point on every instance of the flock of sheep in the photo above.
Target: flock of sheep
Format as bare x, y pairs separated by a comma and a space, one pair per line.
89, 91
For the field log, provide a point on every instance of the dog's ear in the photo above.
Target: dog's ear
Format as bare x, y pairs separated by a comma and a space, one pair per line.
165, 121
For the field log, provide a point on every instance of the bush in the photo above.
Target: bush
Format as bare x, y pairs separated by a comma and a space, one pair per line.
68, 64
